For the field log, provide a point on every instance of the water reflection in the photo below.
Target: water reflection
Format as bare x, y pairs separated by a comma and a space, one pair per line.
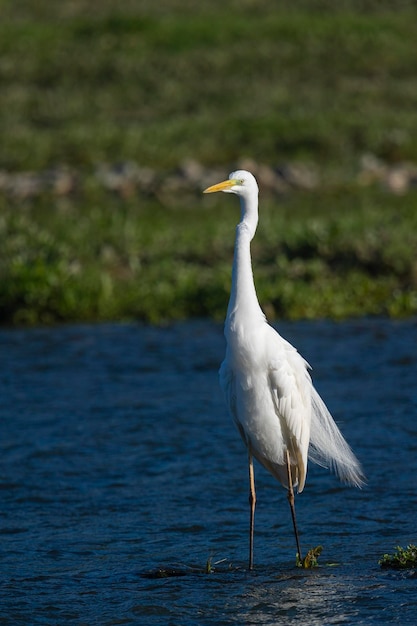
305, 600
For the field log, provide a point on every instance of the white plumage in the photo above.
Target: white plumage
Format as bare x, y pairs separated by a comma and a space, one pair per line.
268, 388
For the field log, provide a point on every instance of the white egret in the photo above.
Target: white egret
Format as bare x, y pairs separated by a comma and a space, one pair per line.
269, 392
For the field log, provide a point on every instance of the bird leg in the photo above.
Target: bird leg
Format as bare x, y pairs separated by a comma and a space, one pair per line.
292, 506
252, 503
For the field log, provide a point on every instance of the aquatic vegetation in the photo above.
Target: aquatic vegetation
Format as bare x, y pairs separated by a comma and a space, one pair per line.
169, 571
402, 558
211, 567
311, 558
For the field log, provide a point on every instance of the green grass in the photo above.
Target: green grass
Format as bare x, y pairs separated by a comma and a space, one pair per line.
402, 558
273, 83
317, 254
156, 83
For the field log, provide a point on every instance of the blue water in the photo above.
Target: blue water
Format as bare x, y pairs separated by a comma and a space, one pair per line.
118, 460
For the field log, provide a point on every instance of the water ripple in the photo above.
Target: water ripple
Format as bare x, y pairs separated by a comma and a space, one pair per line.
118, 460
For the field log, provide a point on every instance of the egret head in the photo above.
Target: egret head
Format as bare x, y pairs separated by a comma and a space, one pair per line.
241, 182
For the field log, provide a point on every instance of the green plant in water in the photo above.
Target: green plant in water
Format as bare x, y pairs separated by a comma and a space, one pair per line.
403, 558
311, 558
210, 566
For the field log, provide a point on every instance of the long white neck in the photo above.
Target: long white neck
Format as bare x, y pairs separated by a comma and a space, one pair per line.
243, 304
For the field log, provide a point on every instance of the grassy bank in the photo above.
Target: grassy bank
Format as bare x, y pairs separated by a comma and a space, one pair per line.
333, 254
158, 83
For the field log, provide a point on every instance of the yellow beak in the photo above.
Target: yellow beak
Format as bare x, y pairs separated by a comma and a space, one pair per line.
226, 184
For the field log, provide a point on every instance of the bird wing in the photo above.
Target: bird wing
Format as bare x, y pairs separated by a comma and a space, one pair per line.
290, 385
309, 420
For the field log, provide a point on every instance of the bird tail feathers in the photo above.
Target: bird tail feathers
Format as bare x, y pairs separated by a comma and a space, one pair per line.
328, 447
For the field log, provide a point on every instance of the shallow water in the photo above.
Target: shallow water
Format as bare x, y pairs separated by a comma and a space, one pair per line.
118, 460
